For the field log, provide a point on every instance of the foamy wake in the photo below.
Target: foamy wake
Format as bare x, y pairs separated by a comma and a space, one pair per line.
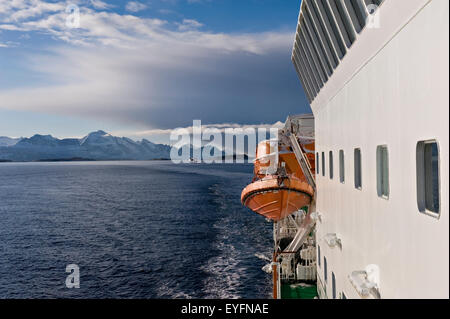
267, 268
262, 257
167, 291
225, 274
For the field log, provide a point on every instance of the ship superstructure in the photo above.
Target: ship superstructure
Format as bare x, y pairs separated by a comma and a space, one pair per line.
374, 219
377, 76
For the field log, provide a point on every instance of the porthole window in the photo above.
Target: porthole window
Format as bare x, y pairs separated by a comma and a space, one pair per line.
330, 161
318, 256
323, 164
383, 171
428, 185
341, 166
358, 169
333, 285
317, 164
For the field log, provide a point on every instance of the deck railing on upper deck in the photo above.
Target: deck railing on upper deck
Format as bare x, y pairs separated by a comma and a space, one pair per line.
326, 30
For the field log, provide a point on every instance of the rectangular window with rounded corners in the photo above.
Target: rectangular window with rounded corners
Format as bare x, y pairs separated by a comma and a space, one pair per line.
383, 171
325, 270
333, 285
427, 161
341, 166
318, 255
317, 164
358, 169
323, 164
330, 162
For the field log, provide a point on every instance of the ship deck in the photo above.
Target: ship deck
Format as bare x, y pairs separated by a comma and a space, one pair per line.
298, 291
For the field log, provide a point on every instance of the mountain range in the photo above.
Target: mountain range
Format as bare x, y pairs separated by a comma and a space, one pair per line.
95, 146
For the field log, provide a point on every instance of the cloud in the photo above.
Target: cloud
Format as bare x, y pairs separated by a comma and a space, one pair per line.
98, 4
226, 130
19, 10
135, 6
8, 44
189, 24
153, 74
219, 127
10, 27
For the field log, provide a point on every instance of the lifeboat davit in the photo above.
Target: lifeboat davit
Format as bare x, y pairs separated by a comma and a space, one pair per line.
279, 187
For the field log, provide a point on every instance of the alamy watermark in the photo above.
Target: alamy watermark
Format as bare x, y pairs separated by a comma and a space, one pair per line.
217, 145
373, 20
73, 279
73, 16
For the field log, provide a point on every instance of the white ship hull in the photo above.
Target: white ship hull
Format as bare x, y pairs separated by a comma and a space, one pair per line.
390, 89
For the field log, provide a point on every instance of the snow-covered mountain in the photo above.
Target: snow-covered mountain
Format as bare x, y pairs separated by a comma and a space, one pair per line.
96, 146
8, 141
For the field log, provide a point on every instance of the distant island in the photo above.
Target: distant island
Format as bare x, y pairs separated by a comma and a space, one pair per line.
96, 146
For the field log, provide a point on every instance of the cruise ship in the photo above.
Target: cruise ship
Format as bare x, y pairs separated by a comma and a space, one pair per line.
358, 190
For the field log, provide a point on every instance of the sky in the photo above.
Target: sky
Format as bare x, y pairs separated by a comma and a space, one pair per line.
141, 68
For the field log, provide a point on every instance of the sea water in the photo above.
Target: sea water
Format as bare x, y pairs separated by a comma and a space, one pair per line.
134, 229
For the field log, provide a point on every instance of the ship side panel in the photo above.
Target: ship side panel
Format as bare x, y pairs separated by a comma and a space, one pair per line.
398, 98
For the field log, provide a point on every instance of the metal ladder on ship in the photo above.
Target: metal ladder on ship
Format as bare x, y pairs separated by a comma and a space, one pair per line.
304, 229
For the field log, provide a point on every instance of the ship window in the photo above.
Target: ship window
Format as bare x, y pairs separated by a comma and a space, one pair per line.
330, 161
319, 48
428, 200
302, 80
333, 285
315, 56
382, 171
317, 163
308, 65
330, 23
304, 69
323, 164
343, 22
312, 58
325, 270
357, 14
318, 255
341, 166
358, 173
327, 44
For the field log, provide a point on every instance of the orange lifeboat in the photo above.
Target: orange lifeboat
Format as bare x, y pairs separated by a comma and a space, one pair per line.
279, 187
